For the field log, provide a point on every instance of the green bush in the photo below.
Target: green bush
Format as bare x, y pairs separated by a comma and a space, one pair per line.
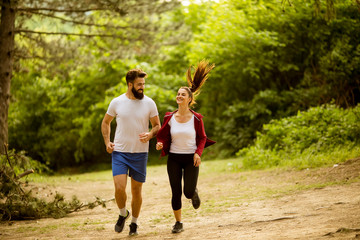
20, 162
308, 139
17, 202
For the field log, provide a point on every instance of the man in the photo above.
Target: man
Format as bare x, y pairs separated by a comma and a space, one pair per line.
132, 110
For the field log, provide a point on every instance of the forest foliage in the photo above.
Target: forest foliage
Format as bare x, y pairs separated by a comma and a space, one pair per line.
18, 200
272, 61
320, 135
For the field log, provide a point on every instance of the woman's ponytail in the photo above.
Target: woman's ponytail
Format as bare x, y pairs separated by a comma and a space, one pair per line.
201, 74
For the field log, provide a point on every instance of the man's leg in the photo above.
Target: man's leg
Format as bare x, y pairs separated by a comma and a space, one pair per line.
137, 171
120, 197
136, 202
120, 190
136, 188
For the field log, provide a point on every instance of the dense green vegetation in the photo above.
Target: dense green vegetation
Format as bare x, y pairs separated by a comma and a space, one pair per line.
18, 200
321, 135
270, 64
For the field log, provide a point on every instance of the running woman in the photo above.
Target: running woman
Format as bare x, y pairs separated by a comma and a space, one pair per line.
182, 137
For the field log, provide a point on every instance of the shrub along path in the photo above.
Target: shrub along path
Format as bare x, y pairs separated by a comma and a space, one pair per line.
319, 203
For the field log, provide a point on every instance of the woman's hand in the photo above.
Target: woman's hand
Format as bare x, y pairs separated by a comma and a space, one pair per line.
197, 160
159, 146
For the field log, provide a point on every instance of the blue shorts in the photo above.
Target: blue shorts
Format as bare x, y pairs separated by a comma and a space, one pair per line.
133, 164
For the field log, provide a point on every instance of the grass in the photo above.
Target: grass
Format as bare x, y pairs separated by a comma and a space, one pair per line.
208, 168
104, 175
41, 230
221, 166
308, 159
98, 226
311, 159
243, 185
236, 188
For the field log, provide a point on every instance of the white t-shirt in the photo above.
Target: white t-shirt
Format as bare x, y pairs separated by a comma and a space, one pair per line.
183, 136
132, 119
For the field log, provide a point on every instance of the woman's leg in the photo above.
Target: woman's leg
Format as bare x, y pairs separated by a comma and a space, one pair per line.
174, 170
191, 174
177, 214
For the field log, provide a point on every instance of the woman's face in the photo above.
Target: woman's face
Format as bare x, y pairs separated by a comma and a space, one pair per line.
183, 97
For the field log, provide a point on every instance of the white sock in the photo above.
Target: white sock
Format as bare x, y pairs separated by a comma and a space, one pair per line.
123, 212
134, 220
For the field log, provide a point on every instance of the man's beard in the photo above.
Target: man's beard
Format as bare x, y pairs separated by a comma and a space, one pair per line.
137, 95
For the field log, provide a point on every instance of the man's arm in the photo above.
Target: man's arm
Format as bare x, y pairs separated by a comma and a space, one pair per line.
105, 130
155, 123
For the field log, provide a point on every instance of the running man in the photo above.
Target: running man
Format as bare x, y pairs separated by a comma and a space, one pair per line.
133, 111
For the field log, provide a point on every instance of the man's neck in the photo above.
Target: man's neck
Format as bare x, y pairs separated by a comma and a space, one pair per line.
130, 95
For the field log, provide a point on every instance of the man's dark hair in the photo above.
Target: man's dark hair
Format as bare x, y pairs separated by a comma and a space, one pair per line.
134, 74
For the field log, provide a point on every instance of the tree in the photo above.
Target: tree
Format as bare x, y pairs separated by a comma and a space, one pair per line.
271, 63
330, 12
7, 27
88, 18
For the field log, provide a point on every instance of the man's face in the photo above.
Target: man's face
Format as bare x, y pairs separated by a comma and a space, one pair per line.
138, 88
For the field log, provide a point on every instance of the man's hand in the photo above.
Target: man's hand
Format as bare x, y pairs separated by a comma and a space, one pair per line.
105, 130
159, 146
110, 147
197, 160
144, 137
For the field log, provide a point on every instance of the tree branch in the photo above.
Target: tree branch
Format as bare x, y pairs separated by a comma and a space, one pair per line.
20, 56
358, 3
97, 203
25, 174
8, 159
68, 34
24, 53
78, 22
62, 10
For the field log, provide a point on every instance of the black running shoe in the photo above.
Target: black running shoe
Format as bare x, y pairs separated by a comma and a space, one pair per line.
133, 228
119, 226
196, 200
177, 228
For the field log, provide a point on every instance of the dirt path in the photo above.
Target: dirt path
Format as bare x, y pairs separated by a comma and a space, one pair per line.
276, 204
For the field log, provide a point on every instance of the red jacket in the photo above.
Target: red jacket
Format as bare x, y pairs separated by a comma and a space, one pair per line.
164, 135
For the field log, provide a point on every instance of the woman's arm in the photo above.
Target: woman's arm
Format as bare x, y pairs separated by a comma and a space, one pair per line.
200, 137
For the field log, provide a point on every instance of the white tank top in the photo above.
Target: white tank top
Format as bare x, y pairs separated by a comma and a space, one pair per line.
183, 136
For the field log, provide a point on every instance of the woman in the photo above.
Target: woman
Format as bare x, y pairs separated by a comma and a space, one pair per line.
182, 136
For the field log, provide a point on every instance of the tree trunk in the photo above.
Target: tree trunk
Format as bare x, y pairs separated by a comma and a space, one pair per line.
7, 27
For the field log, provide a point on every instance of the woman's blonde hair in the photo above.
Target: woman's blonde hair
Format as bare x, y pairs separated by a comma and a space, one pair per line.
201, 74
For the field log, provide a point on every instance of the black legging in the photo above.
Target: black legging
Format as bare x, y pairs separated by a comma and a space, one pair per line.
175, 165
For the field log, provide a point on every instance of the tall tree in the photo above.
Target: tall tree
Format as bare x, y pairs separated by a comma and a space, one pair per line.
93, 19
7, 27
330, 12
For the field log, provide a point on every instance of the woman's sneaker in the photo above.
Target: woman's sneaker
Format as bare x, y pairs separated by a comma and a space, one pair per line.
119, 226
195, 200
133, 229
178, 227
